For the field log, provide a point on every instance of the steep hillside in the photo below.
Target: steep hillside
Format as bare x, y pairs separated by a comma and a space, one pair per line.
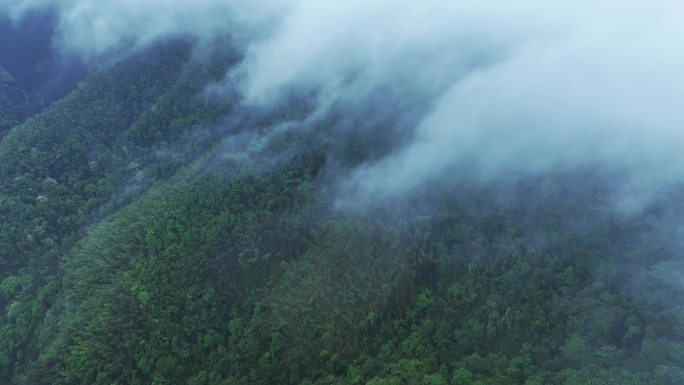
89, 154
138, 253
168, 222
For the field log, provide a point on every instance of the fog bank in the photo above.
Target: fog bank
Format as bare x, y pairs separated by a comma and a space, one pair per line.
498, 87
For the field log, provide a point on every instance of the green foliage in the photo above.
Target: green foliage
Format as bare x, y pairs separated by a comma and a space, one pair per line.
142, 245
575, 349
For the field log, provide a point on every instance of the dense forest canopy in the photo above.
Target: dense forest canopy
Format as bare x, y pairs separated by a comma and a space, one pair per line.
303, 192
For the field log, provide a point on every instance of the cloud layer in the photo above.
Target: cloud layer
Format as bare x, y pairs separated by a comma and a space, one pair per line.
602, 88
512, 87
499, 86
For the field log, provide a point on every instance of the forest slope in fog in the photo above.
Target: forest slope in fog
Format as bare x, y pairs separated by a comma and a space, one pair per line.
242, 203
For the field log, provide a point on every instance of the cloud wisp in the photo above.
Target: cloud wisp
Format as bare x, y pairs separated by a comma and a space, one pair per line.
502, 87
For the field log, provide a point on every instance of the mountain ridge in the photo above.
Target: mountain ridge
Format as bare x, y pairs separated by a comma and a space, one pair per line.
157, 233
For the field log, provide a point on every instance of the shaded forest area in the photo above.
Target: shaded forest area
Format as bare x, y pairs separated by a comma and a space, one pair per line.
33, 73
151, 237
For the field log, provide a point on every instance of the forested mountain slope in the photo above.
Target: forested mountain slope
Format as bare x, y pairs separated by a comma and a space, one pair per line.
70, 166
153, 234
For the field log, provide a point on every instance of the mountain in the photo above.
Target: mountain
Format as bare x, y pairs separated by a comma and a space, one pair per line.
156, 232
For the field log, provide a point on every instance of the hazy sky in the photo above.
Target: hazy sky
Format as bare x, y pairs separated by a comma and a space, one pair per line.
511, 86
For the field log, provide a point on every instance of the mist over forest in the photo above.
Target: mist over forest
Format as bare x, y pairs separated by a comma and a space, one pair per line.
343, 192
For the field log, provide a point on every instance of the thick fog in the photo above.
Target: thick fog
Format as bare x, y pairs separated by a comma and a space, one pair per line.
497, 86
514, 87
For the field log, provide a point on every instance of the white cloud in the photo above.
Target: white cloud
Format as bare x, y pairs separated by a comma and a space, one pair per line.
512, 86
607, 93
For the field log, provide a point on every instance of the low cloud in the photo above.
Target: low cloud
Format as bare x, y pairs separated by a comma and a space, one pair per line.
605, 93
510, 87
499, 87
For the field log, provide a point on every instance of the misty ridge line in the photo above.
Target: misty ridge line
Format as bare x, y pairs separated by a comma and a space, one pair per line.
504, 89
